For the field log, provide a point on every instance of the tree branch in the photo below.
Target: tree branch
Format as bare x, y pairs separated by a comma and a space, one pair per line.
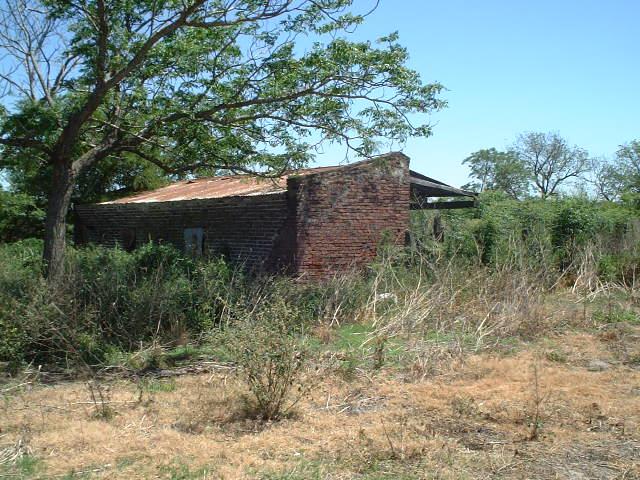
223, 165
25, 143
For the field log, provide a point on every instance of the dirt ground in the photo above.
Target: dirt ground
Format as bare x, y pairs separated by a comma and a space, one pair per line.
565, 406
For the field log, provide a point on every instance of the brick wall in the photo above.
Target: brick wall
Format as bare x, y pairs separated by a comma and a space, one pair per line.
244, 228
339, 218
326, 222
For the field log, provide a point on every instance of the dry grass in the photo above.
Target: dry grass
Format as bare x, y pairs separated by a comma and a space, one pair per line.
459, 377
472, 421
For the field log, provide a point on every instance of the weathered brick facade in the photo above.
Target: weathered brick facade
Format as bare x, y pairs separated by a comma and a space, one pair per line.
324, 223
341, 216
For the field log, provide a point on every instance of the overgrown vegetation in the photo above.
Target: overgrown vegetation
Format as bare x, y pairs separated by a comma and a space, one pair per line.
269, 354
183, 348
108, 301
482, 281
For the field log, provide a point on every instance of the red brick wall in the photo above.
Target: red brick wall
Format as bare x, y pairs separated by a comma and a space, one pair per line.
338, 218
326, 223
243, 228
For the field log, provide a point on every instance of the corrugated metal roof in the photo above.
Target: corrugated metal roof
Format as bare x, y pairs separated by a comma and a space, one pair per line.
246, 185
217, 187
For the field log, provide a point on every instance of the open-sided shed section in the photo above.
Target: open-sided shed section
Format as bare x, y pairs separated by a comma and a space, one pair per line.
424, 188
313, 222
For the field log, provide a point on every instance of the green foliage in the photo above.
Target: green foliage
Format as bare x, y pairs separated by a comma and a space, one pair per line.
574, 224
20, 217
170, 84
549, 236
19, 279
109, 179
23, 468
264, 344
181, 471
109, 300
156, 386
628, 163
336, 299
619, 267
615, 314
497, 171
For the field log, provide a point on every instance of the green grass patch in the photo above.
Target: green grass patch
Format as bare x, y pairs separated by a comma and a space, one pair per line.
615, 314
180, 471
25, 467
351, 336
187, 352
152, 385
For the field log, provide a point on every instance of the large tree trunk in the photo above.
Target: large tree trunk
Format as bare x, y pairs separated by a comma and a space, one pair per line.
56, 222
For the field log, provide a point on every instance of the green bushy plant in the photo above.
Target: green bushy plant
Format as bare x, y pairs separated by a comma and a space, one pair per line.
270, 355
575, 223
546, 235
615, 314
20, 217
107, 299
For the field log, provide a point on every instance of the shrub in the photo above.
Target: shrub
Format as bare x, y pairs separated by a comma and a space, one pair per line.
270, 357
616, 314
20, 217
108, 299
574, 224
545, 235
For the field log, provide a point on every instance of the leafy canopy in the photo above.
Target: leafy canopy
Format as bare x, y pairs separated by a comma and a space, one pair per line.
550, 160
196, 86
491, 169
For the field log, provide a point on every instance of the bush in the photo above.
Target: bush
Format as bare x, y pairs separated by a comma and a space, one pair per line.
615, 314
20, 217
545, 235
575, 223
270, 356
108, 299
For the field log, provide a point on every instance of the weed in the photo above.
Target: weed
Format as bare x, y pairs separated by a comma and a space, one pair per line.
615, 314
17, 460
183, 472
152, 385
537, 400
379, 350
100, 398
464, 406
270, 357
348, 363
556, 356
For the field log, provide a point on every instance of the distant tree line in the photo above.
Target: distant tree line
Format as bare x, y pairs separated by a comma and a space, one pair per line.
543, 163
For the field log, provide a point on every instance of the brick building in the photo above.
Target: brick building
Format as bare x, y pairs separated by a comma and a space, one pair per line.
314, 222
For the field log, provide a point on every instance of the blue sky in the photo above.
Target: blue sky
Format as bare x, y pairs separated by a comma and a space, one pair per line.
513, 66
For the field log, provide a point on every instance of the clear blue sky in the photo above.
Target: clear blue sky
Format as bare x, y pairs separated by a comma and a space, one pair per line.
512, 66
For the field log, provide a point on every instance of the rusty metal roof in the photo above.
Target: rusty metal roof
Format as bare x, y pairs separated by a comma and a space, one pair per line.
246, 185
217, 187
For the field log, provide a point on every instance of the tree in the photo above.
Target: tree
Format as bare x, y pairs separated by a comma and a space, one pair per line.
606, 178
613, 178
628, 163
106, 180
495, 170
20, 217
550, 160
195, 86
